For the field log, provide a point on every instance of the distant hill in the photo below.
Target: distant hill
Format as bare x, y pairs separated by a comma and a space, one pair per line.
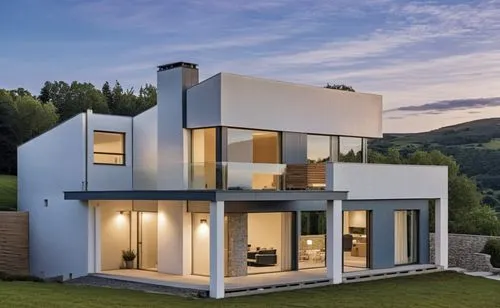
475, 145
8, 192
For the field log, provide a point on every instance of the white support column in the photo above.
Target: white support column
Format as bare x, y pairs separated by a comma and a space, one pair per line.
217, 249
441, 235
334, 251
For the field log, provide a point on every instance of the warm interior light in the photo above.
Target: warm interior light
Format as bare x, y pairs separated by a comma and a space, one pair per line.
309, 242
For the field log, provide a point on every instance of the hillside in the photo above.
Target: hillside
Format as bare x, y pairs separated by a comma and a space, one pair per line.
475, 145
8, 192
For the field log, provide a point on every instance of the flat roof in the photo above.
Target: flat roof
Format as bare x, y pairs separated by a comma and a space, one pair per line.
208, 195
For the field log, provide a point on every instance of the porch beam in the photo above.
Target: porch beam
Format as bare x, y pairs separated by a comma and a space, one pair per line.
217, 249
334, 251
441, 234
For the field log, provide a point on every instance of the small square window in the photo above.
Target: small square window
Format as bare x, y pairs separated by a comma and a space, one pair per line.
109, 148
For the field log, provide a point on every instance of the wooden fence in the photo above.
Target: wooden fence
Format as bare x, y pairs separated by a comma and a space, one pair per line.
14, 243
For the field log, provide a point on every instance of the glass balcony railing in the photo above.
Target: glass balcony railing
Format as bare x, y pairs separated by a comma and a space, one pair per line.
257, 176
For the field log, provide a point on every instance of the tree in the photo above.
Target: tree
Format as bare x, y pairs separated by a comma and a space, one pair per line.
106, 91
8, 137
73, 99
341, 87
32, 118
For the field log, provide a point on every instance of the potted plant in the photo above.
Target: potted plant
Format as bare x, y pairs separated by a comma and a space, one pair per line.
129, 257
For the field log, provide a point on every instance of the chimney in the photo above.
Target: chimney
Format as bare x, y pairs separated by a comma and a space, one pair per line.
173, 140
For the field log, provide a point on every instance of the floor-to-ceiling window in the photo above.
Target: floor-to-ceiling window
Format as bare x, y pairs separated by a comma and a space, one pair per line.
356, 240
252, 159
203, 166
312, 240
350, 149
318, 153
405, 237
269, 242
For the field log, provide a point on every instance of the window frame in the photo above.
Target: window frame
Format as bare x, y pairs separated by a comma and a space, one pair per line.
123, 135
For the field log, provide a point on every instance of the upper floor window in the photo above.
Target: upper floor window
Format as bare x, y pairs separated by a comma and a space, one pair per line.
253, 146
318, 148
109, 148
350, 150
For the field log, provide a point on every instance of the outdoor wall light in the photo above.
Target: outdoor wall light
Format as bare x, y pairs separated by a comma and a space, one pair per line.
203, 221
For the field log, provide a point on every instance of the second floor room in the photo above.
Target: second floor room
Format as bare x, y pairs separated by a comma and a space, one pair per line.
226, 132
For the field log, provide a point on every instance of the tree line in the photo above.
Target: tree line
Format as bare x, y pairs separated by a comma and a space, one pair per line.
24, 116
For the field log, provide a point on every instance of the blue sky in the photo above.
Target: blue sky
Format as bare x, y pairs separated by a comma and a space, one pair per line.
412, 52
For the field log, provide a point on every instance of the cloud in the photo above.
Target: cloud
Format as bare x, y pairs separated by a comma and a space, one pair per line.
443, 106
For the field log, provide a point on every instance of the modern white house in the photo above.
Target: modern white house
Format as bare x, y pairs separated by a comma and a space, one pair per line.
233, 176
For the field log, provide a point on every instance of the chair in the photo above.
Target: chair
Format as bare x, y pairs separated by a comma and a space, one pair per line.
347, 242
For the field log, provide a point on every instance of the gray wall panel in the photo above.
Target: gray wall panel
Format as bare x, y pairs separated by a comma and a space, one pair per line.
294, 148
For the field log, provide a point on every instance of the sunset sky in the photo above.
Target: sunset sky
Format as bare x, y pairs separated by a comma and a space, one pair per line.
435, 62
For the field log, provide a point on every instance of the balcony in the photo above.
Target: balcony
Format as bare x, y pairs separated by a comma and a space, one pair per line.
257, 176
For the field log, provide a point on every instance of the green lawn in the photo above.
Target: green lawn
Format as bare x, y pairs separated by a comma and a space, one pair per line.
431, 290
8, 192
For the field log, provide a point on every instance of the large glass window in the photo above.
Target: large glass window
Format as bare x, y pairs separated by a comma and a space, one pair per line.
405, 237
318, 148
312, 242
350, 150
252, 158
355, 240
318, 153
109, 148
269, 242
203, 167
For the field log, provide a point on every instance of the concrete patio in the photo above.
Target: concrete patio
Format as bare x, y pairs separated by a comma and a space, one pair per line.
261, 283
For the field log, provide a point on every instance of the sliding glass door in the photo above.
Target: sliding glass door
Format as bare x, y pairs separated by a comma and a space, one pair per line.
405, 237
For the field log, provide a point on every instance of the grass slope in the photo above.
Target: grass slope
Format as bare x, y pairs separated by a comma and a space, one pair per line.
8, 192
430, 290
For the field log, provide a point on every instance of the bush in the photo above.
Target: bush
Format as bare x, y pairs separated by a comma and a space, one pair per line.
492, 247
480, 220
14, 277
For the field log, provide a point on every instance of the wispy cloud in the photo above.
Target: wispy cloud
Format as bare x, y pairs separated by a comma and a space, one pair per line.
442, 106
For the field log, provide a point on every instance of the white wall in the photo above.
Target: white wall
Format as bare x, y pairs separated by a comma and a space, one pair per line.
115, 232
378, 181
47, 166
272, 105
110, 177
203, 103
201, 244
174, 238
145, 149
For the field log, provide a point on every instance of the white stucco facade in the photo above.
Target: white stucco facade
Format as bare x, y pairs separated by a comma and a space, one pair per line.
72, 238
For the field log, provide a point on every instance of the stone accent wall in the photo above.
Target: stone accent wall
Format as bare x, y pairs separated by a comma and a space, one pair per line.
14, 243
461, 250
237, 227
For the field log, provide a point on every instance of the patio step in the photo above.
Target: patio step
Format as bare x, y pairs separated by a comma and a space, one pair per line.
277, 287
394, 272
110, 282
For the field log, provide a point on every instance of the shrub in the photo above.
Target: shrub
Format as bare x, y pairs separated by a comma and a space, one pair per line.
15, 277
492, 247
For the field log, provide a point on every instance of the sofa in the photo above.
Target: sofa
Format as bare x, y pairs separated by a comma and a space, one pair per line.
262, 257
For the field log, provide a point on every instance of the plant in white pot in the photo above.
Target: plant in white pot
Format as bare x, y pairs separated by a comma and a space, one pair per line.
129, 257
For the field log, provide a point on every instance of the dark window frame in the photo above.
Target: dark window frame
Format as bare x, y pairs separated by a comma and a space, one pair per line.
123, 155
